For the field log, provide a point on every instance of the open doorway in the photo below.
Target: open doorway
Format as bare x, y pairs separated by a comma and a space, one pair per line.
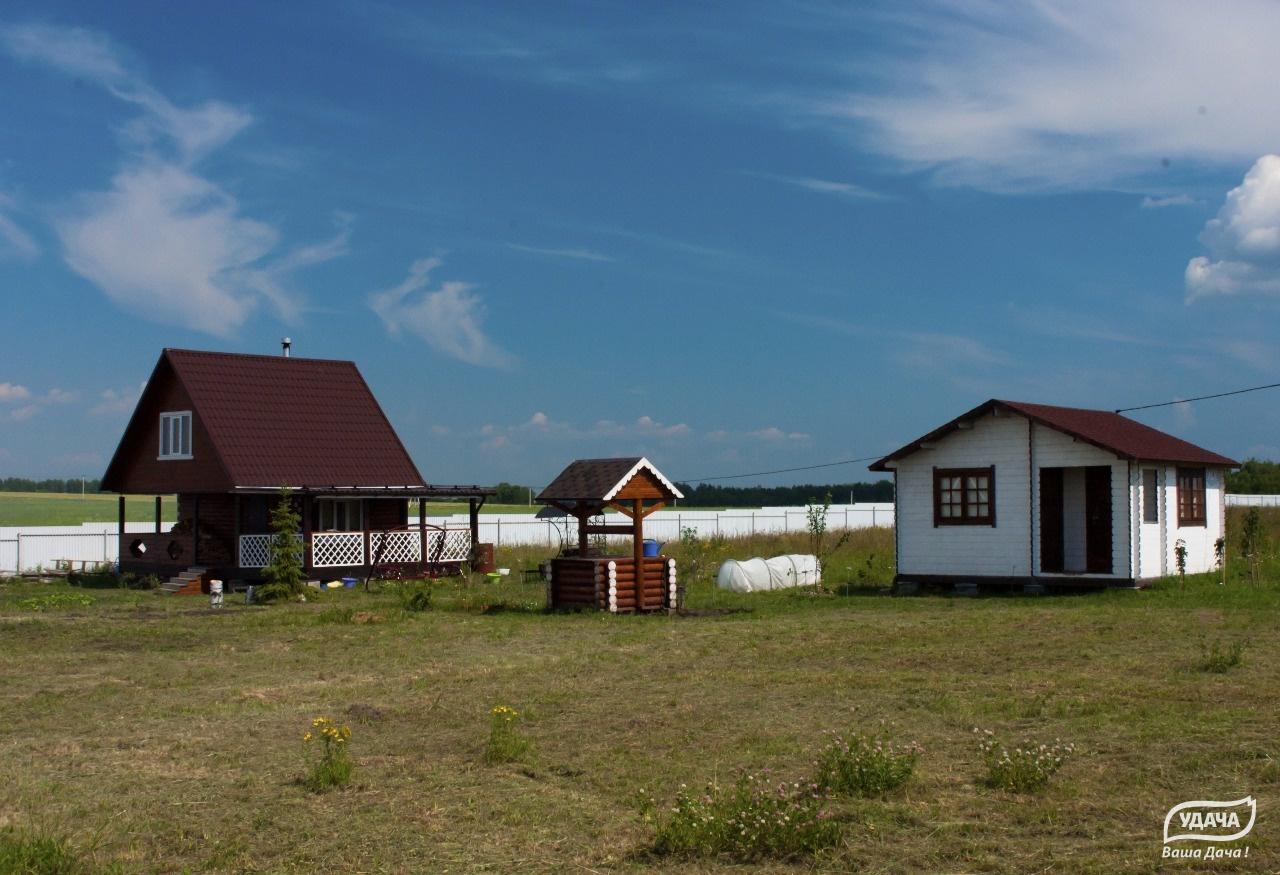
1075, 520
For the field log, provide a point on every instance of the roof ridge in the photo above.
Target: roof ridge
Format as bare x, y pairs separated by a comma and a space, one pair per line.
254, 355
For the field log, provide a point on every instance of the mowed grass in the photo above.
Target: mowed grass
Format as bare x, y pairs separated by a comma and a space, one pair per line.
156, 735
71, 509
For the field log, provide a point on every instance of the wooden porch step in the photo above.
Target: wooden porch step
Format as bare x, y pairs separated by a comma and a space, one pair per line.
185, 582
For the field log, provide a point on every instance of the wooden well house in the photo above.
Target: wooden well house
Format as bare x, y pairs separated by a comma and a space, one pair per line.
625, 583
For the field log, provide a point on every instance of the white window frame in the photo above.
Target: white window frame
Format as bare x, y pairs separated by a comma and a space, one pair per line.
175, 428
351, 511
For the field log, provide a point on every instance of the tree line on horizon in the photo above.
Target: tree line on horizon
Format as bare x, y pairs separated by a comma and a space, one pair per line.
1255, 477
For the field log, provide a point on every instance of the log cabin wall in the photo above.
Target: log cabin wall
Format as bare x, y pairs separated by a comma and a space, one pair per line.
608, 583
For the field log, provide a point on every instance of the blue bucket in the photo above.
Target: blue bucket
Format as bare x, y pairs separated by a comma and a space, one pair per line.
651, 547
349, 582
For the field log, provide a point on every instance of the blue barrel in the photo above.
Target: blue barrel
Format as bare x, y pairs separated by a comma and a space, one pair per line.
349, 582
651, 547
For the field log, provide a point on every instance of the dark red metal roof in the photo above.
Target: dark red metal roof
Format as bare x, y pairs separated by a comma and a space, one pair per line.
299, 422
1110, 431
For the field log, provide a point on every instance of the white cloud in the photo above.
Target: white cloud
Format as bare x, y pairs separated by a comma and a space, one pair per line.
11, 392
773, 434
448, 318
117, 401
13, 240
1176, 200
1058, 95
22, 414
579, 254
822, 186
164, 241
1243, 239
60, 396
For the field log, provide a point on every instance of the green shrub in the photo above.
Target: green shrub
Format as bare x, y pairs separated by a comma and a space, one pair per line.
861, 766
1220, 659
41, 854
1024, 769
328, 756
506, 744
336, 616
56, 601
752, 820
415, 597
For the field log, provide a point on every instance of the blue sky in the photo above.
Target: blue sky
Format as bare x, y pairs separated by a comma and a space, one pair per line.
734, 238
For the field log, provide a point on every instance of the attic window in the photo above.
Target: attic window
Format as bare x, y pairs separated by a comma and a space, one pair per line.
964, 496
175, 435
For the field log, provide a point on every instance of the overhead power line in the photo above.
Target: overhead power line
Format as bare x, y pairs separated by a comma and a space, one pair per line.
873, 458
779, 470
1198, 398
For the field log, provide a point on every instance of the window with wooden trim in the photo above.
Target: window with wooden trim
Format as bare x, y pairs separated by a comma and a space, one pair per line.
1191, 505
175, 435
964, 496
1150, 495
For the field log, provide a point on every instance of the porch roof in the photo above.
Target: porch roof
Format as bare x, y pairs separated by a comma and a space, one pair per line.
425, 491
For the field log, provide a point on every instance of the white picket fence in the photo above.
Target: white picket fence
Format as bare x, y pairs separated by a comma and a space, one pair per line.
33, 547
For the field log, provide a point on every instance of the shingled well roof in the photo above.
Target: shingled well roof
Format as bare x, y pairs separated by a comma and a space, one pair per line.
1110, 431
599, 479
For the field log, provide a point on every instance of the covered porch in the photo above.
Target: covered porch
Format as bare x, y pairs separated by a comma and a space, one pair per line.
346, 531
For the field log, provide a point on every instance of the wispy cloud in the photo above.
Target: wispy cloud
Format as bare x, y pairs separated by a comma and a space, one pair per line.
113, 402
12, 392
579, 254
448, 318
1243, 239
165, 241
1176, 200
1054, 95
821, 186
28, 404
13, 239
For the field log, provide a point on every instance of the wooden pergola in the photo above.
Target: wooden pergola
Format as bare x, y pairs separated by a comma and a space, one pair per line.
634, 488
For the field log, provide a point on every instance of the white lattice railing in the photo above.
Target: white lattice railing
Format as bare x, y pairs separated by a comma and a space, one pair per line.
456, 545
337, 549
255, 550
395, 547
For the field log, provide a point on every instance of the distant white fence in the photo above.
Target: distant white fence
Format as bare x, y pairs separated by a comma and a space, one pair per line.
522, 529
1253, 501
32, 547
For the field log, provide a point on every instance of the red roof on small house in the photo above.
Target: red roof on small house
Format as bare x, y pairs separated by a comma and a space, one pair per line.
276, 421
1110, 431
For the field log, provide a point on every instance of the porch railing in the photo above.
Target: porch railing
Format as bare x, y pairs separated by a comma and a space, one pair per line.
347, 549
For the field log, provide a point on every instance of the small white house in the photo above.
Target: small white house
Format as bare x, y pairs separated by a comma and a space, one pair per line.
1017, 493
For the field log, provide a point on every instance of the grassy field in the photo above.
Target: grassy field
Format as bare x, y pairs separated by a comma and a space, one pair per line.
153, 734
61, 509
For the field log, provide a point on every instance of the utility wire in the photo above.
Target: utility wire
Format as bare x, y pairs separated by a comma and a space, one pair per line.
1198, 398
873, 458
780, 470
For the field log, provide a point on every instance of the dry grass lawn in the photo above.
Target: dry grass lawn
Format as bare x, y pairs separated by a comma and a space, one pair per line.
157, 735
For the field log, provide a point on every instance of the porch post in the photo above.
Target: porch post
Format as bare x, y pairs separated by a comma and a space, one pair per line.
475, 522
582, 531
637, 548
422, 531
306, 533
158, 513
364, 524
120, 553
195, 532
235, 513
